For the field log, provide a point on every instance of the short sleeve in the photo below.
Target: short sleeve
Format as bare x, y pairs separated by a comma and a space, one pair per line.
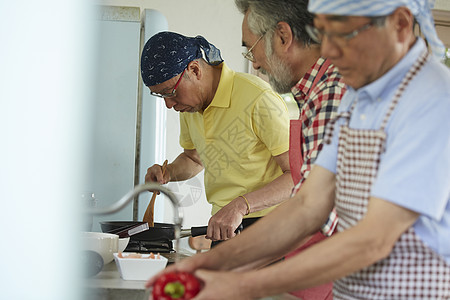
270, 121
417, 155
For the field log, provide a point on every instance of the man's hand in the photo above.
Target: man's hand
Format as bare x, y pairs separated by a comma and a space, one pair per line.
222, 286
223, 224
215, 285
155, 174
190, 264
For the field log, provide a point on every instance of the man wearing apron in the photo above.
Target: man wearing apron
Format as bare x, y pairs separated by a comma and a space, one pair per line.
314, 82
386, 167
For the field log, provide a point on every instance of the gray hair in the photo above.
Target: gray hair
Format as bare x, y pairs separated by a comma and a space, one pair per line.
264, 16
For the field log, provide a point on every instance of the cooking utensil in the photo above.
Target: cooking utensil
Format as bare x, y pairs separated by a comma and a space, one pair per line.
129, 230
104, 244
157, 232
160, 231
149, 212
139, 268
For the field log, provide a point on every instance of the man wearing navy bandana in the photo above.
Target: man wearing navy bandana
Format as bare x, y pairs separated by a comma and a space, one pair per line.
385, 166
232, 125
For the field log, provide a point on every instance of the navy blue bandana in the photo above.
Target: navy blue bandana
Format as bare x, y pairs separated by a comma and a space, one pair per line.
167, 54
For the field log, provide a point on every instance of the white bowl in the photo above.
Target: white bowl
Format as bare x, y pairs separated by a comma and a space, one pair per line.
139, 268
123, 243
105, 244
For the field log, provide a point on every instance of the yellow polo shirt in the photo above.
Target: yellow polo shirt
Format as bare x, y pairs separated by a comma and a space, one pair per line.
236, 136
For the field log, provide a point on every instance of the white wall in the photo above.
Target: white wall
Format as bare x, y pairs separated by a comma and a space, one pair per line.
218, 21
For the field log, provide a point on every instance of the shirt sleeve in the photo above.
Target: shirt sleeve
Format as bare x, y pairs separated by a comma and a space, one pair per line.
270, 120
330, 225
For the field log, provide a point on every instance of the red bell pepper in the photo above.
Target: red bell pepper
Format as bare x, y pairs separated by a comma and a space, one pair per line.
176, 285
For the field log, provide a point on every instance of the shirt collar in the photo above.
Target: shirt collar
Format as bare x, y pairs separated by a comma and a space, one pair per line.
301, 89
222, 97
384, 85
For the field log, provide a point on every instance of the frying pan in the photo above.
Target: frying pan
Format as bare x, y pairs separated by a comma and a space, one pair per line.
160, 231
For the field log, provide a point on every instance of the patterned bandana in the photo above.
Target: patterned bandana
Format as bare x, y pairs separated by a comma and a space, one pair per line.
167, 54
421, 9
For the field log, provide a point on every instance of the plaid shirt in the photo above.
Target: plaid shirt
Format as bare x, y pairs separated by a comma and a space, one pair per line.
315, 112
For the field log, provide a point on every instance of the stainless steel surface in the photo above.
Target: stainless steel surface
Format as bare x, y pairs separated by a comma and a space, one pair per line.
185, 233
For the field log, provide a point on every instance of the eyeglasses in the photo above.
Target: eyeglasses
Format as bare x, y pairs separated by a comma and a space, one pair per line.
249, 54
340, 39
174, 90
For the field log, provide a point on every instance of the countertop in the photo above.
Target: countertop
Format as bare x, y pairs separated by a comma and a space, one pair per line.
107, 285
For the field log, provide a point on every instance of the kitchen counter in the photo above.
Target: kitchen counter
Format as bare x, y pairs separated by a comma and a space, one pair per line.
107, 285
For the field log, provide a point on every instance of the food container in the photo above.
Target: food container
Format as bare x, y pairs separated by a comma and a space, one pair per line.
139, 268
104, 244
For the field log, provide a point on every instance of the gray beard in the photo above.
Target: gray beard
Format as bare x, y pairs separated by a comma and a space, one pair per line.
280, 78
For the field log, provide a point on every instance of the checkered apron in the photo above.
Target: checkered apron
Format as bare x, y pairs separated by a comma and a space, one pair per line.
412, 270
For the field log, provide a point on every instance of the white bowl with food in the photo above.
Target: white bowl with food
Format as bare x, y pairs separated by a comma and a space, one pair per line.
105, 244
136, 266
123, 243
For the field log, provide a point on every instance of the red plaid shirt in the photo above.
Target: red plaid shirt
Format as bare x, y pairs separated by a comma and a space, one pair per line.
315, 112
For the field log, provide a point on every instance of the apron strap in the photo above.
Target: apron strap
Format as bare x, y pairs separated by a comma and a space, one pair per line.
413, 71
329, 128
296, 138
319, 75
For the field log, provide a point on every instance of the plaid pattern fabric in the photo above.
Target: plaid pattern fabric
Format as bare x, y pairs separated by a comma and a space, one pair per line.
412, 270
330, 225
357, 167
315, 112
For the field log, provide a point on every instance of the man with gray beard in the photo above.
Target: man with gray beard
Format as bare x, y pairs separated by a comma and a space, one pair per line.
279, 46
